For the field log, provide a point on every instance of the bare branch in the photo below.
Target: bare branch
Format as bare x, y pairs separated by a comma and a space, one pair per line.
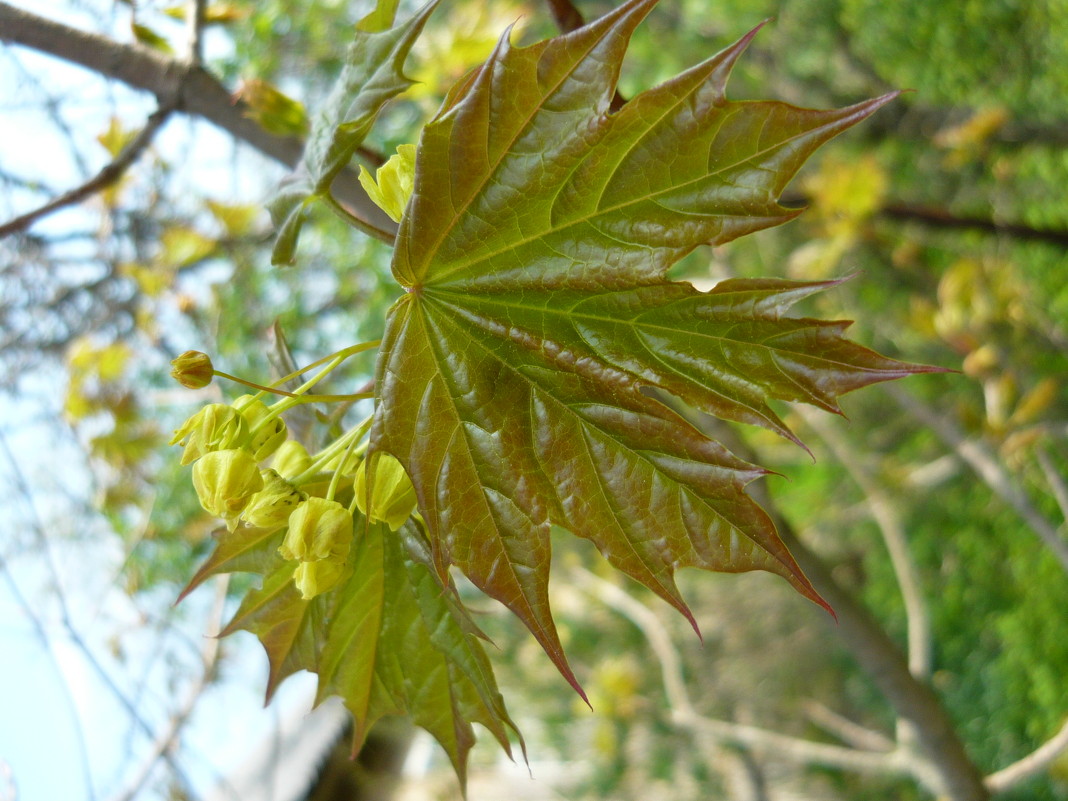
940, 218
952, 771
198, 93
1055, 481
846, 730
165, 740
67, 621
723, 732
885, 515
194, 24
109, 175
977, 456
1032, 764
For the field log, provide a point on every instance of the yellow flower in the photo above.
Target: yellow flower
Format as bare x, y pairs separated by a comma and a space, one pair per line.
318, 529
267, 435
392, 498
216, 427
291, 459
314, 578
271, 507
225, 481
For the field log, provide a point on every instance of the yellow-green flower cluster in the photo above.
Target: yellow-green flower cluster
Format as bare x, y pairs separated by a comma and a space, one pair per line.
248, 473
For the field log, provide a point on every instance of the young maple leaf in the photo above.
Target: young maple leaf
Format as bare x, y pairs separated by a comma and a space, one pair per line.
514, 377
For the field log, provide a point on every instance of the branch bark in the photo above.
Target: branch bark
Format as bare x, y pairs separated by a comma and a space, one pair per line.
886, 518
196, 92
1032, 764
109, 175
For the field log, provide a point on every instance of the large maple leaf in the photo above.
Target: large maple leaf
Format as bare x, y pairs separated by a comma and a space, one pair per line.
518, 375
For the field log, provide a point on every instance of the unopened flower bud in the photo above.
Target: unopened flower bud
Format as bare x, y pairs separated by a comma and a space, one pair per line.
318, 529
267, 435
216, 427
315, 578
225, 481
392, 499
271, 507
291, 459
193, 369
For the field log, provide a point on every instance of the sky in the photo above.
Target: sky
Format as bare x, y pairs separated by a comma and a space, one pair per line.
64, 732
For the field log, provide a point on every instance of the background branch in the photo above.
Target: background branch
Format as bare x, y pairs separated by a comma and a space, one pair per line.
1032, 764
977, 456
884, 513
168, 736
951, 769
197, 93
109, 175
722, 732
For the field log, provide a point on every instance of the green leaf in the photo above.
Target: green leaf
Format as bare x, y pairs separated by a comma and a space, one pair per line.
245, 550
430, 661
346, 666
397, 642
285, 623
517, 376
149, 38
372, 75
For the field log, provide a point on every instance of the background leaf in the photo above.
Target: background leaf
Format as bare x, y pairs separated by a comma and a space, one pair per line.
372, 75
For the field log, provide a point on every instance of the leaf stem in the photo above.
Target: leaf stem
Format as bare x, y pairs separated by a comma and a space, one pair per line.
333, 449
356, 222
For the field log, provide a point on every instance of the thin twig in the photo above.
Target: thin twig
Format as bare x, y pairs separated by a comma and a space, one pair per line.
847, 730
977, 456
200, 95
194, 22
167, 737
110, 174
1055, 480
1032, 764
945, 763
884, 513
67, 621
722, 732
42, 634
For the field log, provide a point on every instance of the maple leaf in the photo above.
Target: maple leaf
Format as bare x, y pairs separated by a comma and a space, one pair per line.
517, 377
371, 77
391, 640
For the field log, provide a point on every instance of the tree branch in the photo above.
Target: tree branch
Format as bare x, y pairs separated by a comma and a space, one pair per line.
1032, 764
166, 738
724, 732
194, 23
886, 518
846, 730
947, 766
197, 93
940, 218
978, 457
1055, 480
109, 175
